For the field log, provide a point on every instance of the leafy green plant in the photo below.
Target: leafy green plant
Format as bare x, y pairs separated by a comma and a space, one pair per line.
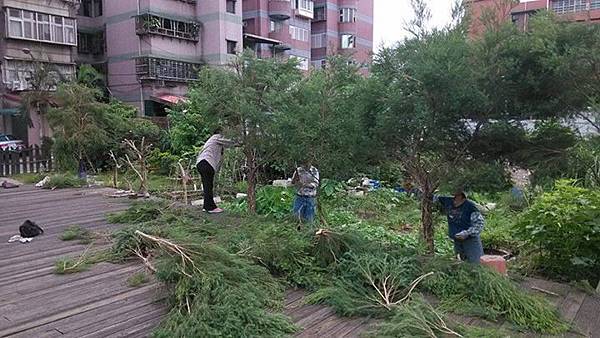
274, 201
329, 188
563, 228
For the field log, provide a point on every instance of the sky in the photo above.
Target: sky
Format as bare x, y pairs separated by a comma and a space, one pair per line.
390, 16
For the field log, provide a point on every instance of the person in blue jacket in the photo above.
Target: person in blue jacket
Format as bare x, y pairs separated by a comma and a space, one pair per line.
465, 224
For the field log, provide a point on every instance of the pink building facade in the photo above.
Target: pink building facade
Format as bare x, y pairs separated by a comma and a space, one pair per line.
500, 11
34, 34
342, 26
152, 49
310, 30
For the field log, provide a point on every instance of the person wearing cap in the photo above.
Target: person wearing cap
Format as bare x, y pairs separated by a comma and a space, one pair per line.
208, 163
465, 223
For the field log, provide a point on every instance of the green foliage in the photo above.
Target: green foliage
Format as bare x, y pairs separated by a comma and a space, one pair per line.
77, 232
563, 227
416, 318
330, 188
370, 283
137, 279
63, 181
465, 288
480, 177
226, 296
283, 250
274, 201
320, 124
138, 213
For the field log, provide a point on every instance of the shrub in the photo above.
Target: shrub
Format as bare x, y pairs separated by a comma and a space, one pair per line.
563, 225
62, 181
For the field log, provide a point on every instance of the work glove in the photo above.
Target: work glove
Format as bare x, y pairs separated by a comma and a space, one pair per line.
461, 236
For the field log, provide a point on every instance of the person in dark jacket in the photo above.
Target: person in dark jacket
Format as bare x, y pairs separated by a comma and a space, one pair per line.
465, 223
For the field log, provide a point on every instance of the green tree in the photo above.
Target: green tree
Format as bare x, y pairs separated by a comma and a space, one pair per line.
79, 125
244, 98
321, 124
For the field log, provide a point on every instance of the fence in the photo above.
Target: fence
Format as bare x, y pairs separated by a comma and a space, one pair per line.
28, 160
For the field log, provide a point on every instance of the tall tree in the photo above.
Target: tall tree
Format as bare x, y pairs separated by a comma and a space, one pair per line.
244, 97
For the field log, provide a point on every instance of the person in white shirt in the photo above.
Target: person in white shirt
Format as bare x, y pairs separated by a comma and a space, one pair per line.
208, 163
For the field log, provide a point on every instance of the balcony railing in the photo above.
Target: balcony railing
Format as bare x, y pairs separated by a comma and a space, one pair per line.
153, 68
595, 4
305, 8
153, 24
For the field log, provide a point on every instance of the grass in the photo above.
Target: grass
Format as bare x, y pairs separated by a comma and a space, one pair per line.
31, 178
76, 232
156, 183
137, 279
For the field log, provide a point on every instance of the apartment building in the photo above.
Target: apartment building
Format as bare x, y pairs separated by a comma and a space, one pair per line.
309, 30
345, 27
152, 49
499, 11
35, 33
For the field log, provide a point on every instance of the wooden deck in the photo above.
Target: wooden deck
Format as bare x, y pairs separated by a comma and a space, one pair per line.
35, 302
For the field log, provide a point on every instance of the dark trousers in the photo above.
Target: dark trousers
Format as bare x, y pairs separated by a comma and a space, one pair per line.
207, 172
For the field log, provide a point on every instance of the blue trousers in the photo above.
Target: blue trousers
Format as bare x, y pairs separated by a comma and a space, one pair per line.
470, 249
304, 208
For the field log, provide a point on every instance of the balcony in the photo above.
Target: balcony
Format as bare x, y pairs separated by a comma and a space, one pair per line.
305, 9
153, 68
595, 4
153, 24
280, 10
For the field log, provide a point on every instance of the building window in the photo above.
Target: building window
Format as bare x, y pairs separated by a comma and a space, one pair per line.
319, 40
90, 43
298, 33
231, 47
152, 24
275, 26
230, 6
151, 68
595, 4
28, 25
566, 6
348, 41
348, 15
90, 8
16, 74
320, 14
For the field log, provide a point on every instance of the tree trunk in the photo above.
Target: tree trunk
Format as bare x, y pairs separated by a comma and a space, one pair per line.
427, 217
252, 179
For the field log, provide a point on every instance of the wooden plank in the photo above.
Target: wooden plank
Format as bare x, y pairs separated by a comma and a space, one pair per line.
123, 307
588, 317
126, 326
325, 326
78, 309
292, 296
315, 319
571, 305
345, 327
